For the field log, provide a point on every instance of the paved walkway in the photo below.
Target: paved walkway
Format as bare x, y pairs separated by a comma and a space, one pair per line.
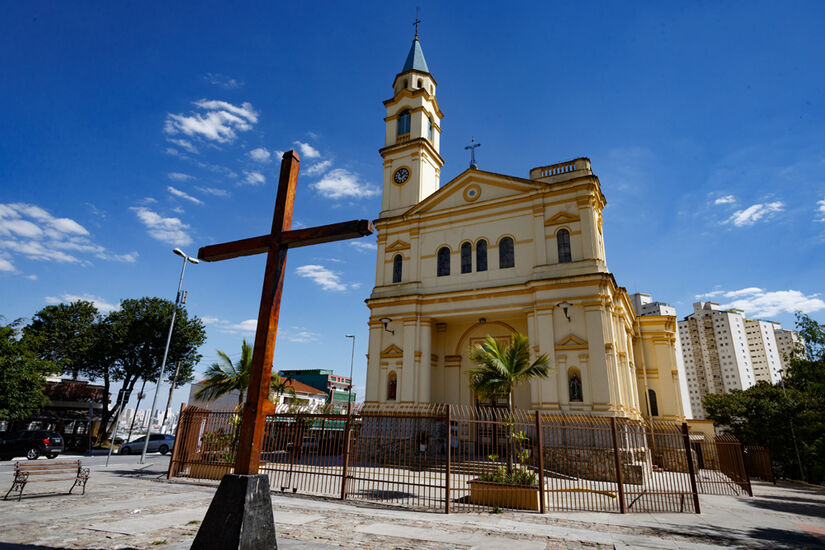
132, 506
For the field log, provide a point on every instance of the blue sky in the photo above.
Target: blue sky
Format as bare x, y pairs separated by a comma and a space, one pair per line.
131, 129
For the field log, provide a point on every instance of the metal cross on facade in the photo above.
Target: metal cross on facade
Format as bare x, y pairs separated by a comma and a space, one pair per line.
472, 147
417, 20
275, 245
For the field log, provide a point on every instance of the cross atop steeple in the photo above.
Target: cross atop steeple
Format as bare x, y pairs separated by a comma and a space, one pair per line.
417, 20
472, 147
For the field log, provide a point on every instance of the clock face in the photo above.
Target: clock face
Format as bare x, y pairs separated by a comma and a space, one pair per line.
401, 175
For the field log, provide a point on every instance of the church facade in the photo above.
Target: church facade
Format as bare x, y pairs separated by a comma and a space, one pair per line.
490, 254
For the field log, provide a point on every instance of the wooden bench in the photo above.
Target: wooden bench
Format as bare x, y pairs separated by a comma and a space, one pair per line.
30, 472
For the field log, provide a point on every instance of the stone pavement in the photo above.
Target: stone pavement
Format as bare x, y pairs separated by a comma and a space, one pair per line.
128, 505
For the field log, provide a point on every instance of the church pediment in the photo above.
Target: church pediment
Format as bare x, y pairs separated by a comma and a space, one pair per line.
472, 187
562, 218
398, 246
392, 352
571, 342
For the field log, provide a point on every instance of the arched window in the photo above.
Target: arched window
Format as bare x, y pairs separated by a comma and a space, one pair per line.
481, 255
403, 123
574, 385
654, 405
563, 242
443, 261
392, 386
506, 255
466, 258
405, 83
429, 129
396, 268
420, 83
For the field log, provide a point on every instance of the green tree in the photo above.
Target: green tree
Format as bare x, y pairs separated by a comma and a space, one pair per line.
135, 339
22, 376
786, 417
63, 334
224, 377
501, 368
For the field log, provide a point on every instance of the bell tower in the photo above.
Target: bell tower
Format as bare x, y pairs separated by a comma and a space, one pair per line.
412, 163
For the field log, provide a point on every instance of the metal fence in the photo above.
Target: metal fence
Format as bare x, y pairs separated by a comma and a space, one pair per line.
457, 459
758, 462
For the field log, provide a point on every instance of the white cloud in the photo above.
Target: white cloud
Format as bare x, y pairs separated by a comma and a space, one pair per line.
6, 265
223, 81
341, 184
220, 121
820, 211
100, 303
727, 199
260, 155
213, 191
168, 230
253, 177
35, 250
319, 168
177, 176
227, 327
183, 195
364, 246
183, 144
302, 337
328, 280
31, 277
20, 228
129, 258
307, 150
32, 232
756, 212
756, 302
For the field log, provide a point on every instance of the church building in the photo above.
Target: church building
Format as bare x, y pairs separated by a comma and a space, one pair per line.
494, 254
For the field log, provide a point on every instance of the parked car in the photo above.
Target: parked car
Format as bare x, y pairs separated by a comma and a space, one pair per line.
31, 444
158, 443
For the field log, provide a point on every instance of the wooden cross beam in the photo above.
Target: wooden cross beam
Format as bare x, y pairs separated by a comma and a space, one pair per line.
275, 245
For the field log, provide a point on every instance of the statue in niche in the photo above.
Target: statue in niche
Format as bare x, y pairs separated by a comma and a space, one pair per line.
575, 388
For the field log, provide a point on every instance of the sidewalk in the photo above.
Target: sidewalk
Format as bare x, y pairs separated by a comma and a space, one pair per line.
132, 506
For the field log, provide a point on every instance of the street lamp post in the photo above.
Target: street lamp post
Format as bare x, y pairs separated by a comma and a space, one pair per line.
186, 258
351, 362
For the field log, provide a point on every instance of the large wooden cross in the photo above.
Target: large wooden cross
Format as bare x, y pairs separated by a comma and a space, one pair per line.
275, 244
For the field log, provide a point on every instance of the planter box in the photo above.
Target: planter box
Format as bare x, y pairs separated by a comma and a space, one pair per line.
210, 471
505, 496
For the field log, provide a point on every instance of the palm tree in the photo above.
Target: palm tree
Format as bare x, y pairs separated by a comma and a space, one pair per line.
225, 376
501, 368
279, 385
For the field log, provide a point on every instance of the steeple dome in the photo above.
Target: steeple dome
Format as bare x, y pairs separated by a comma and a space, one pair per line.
415, 59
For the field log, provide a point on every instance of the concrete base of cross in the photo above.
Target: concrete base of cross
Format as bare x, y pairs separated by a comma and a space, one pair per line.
239, 517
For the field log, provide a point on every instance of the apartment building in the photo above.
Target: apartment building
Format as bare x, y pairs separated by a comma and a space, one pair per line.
723, 351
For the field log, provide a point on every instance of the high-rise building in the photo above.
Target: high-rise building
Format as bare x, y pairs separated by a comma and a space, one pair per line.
765, 357
723, 351
787, 341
